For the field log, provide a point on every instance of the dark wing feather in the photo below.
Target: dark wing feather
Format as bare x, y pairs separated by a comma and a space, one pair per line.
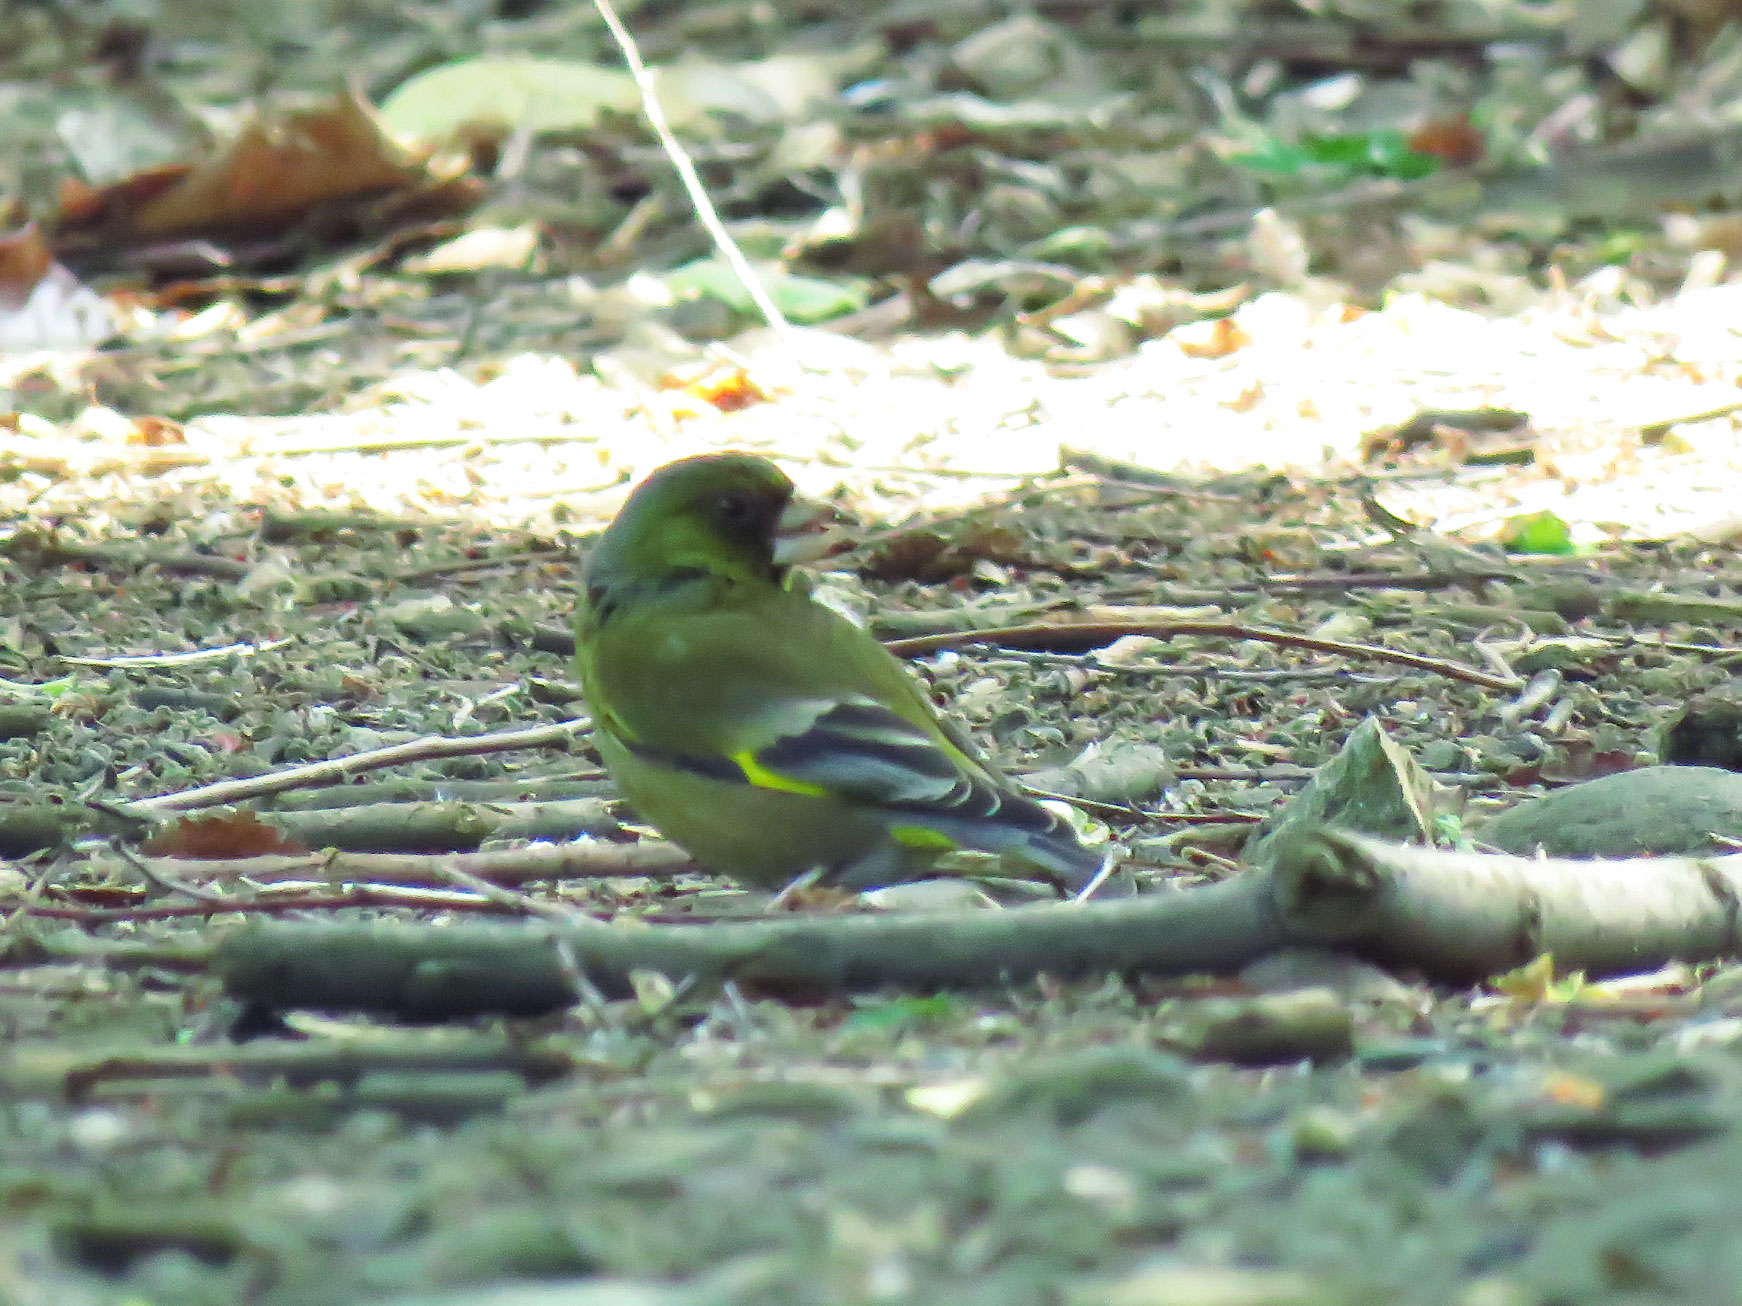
865, 753
860, 751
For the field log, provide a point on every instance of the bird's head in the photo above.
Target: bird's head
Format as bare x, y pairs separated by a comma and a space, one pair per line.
731, 515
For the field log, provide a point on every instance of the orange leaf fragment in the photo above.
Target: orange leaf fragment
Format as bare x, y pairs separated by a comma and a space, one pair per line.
156, 432
1576, 1091
1451, 140
728, 389
212, 838
24, 261
1216, 338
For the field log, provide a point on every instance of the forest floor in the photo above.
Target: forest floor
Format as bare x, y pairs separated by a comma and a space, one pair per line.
327, 502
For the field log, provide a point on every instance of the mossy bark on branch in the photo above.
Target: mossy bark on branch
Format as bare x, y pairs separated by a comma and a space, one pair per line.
459, 970
1464, 916
29, 827
443, 827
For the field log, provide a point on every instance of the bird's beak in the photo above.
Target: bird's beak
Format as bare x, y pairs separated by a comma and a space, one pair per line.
806, 531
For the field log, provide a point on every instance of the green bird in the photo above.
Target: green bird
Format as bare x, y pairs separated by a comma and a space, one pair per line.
762, 731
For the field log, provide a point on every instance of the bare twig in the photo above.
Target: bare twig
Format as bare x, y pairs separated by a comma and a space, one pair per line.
335, 769
532, 553
45, 550
27, 901
143, 661
511, 899
160, 879
73, 1073
1103, 468
290, 898
580, 859
706, 214
1658, 429
1094, 634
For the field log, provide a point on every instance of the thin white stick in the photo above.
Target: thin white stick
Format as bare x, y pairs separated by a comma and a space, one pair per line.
692, 182
139, 660
334, 769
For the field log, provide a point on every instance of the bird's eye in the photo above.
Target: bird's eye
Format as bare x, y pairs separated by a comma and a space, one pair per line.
735, 509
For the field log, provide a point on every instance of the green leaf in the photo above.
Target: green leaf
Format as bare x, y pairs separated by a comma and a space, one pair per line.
1620, 246
1538, 532
1449, 830
1081, 243
1275, 157
802, 299
502, 94
47, 689
902, 1013
1345, 156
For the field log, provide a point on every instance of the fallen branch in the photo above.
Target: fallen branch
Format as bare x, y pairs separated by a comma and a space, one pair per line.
35, 549
456, 971
65, 458
1451, 916
1463, 916
381, 827
21, 720
29, 827
284, 898
55, 1070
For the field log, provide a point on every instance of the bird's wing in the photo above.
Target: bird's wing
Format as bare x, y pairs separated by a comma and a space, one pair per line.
859, 750
789, 697
852, 749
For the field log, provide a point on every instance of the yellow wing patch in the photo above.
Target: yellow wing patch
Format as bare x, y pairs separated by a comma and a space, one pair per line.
919, 837
763, 778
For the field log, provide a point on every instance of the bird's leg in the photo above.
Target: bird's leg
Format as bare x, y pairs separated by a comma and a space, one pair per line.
1109, 864
783, 900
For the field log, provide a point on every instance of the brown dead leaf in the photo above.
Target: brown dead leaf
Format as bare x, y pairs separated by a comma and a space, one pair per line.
212, 838
42, 304
1453, 141
929, 556
1248, 399
156, 432
274, 171
84, 206
276, 174
1482, 435
24, 261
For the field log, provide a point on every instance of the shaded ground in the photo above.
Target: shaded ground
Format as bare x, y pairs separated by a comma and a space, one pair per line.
1001, 1147
394, 560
